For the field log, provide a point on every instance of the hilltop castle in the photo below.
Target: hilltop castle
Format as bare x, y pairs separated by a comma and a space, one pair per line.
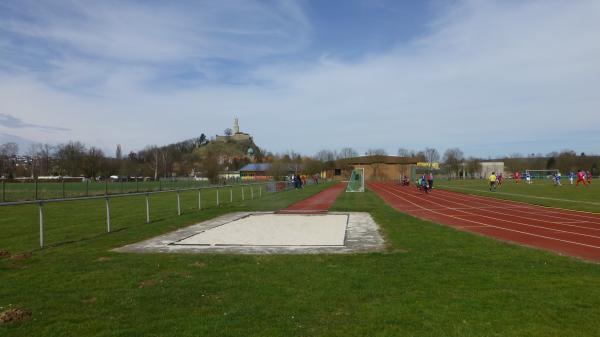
236, 135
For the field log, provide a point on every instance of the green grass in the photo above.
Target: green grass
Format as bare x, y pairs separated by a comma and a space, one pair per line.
77, 220
432, 281
51, 190
541, 192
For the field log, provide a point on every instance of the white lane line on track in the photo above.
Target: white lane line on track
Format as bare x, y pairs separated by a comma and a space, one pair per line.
503, 220
521, 195
488, 225
560, 213
447, 198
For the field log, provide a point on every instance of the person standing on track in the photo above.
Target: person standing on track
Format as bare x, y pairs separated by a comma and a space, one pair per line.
580, 178
430, 180
493, 181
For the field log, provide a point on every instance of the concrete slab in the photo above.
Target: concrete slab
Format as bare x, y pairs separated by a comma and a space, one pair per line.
269, 233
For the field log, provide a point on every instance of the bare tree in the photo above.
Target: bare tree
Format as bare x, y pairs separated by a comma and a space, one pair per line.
278, 169
70, 158
376, 152
453, 159
473, 166
347, 152
325, 155
402, 152
8, 158
228, 132
33, 152
93, 162
210, 166
431, 156
119, 152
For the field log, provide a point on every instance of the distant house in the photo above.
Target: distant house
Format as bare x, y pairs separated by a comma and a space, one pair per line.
260, 171
378, 168
255, 171
487, 167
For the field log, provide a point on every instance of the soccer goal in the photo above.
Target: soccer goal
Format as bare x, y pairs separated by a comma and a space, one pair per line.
357, 181
541, 174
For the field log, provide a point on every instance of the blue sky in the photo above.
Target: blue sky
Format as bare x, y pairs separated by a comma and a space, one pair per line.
491, 77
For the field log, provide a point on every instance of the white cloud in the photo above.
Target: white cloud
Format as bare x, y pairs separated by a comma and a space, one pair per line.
487, 74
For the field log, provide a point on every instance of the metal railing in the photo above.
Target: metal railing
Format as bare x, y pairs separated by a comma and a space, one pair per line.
254, 188
37, 189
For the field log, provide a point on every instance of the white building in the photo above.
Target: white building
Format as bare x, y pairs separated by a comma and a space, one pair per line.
487, 167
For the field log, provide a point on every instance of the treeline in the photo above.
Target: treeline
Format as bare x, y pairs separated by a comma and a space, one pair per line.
199, 157
76, 159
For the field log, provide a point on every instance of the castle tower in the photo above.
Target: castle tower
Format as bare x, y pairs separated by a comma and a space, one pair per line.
236, 126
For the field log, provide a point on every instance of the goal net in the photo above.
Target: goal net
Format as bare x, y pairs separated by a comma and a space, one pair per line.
357, 181
541, 174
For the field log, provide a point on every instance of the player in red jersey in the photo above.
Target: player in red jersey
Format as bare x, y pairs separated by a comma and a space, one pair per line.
588, 175
580, 178
517, 177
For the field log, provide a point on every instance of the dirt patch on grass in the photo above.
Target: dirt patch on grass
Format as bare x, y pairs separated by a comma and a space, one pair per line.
21, 256
198, 264
89, 300
14, 315
149, 283
4, 254
103, 259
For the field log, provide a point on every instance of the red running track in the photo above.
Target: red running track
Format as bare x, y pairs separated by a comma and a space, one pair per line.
567, 232
318, 203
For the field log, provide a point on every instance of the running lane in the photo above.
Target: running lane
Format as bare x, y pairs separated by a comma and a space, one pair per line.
318, 203
563, 231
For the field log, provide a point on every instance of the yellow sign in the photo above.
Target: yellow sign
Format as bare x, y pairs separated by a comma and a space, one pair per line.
435, 166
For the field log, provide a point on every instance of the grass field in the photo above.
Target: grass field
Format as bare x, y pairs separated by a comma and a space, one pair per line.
51, 190
432, 281
19, 225
541, 192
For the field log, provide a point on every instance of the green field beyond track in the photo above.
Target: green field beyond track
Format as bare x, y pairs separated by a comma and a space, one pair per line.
431, 281
540, 192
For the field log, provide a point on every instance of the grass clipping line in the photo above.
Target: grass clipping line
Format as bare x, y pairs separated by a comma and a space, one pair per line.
14, 315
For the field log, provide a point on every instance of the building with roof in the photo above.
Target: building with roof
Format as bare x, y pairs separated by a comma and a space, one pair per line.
260, 171
377, 168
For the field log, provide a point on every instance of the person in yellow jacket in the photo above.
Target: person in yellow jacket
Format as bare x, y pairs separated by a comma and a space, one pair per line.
493, 180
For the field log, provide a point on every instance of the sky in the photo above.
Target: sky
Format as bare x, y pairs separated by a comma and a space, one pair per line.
492, 78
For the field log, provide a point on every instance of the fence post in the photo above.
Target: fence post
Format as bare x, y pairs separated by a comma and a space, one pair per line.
243, 193
137, 185
3, 190
107, 215
251, 192
63, 187
231, 194
260, 191
105, 186
178, 204
41, 209
147, 208
199, 200
87, 188
217, 197
36, 189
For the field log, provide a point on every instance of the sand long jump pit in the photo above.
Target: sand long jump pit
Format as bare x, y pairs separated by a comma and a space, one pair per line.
270, 233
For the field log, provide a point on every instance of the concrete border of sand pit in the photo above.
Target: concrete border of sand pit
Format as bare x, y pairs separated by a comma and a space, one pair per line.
361, 235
